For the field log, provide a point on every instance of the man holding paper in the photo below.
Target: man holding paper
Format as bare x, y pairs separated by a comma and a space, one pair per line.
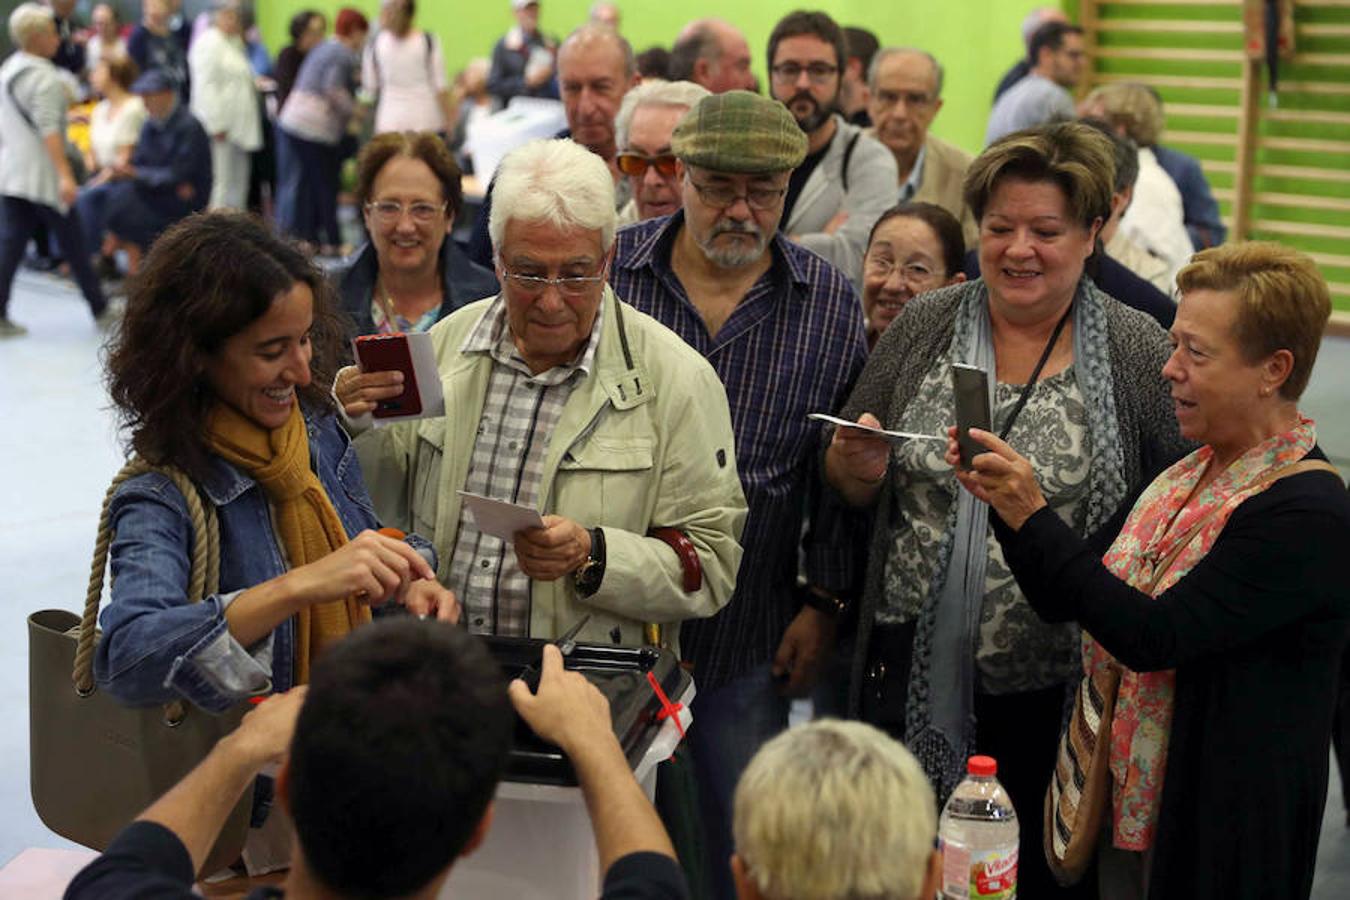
561, 399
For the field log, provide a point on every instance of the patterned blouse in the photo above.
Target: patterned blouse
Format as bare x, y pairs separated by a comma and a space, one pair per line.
1016, 651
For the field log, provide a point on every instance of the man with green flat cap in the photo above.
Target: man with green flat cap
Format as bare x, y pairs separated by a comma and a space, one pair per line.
783, 329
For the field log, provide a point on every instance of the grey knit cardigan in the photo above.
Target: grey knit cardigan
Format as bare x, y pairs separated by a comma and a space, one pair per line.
1149, 437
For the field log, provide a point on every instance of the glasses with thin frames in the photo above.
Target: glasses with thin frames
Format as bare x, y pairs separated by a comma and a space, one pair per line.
913, 274
724, 196
636, 164
567, 285
912, 99
387, 212
818, 72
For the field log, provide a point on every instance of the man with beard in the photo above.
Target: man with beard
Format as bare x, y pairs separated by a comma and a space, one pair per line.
783, 330
1058, 59
904, 95
847, 179
646, 120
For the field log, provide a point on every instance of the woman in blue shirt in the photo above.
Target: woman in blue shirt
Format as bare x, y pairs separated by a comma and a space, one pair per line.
219, 370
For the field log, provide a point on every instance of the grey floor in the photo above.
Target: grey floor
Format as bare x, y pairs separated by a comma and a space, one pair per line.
58, 450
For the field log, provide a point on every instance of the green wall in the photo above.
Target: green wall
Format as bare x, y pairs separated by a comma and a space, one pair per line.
976, 40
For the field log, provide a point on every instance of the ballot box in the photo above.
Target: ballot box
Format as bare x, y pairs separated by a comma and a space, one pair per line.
540, 844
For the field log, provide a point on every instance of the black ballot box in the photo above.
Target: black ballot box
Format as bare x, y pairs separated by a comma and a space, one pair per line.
621, 674
540, 845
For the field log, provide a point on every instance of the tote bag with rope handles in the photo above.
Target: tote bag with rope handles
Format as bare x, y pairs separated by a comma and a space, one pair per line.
1079, 795
95, 764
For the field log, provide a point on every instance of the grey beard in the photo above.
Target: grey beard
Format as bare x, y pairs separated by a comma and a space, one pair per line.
735, 256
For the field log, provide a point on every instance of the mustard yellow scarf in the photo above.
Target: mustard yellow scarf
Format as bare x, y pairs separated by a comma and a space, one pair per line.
305, 518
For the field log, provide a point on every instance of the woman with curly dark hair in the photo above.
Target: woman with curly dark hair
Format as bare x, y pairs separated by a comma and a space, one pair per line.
219, 371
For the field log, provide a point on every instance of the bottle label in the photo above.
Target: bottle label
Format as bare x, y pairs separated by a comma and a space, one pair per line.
978, 875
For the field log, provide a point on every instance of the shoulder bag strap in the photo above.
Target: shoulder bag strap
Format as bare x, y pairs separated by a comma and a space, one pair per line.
848, 155
1270, 477
203, 580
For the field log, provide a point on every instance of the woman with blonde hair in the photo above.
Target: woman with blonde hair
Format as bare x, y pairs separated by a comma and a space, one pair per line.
1222, 598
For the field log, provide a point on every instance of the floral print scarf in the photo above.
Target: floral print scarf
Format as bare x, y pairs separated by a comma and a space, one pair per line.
1160, 519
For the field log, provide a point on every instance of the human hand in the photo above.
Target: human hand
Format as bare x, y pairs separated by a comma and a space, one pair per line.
1001, 478
360, 392
803, 652
567, 709
69, 190
264, 736
859, 455
427, 597
557, 549
371, 567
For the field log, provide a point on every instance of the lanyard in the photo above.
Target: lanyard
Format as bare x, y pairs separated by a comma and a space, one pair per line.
1035, 374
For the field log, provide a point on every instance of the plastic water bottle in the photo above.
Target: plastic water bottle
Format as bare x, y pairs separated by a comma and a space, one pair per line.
978, 834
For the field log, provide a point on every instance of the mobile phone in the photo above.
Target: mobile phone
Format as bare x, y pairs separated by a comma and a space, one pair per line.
970, 385
388, 353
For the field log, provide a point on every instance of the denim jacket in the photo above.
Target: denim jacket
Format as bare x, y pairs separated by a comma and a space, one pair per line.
156, 646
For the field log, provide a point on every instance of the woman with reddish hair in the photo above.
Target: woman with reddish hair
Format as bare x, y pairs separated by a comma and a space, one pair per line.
310, 129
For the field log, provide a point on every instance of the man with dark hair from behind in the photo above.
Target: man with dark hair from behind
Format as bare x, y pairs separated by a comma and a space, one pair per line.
853, 94
399, 742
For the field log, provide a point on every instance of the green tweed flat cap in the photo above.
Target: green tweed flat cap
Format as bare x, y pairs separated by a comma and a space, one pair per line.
739, 132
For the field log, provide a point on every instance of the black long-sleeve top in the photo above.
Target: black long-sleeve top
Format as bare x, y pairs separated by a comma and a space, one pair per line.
1255, 633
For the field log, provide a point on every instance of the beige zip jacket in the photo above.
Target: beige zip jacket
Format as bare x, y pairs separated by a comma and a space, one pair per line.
636, 448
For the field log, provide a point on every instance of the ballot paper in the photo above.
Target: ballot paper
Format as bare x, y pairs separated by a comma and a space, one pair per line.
499, 518
893, 436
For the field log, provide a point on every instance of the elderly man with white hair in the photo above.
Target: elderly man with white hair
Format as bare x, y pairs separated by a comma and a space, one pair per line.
562, 398
835, 810
225, 100
37, 186
646, 121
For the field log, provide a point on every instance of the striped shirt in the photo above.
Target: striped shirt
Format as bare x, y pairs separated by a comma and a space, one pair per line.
520, 410
794, 345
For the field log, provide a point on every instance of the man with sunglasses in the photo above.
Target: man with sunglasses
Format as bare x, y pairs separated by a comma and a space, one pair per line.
783, 329
646, 120
847, 179
562, 399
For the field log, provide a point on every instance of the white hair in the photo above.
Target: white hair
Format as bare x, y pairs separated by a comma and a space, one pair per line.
679, 94
555, 181
835, 810
29, 20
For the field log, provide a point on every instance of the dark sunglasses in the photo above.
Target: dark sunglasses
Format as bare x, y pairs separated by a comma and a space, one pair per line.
636, 164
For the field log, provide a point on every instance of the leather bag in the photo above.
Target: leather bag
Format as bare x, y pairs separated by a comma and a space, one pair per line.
1079, 794
96, 764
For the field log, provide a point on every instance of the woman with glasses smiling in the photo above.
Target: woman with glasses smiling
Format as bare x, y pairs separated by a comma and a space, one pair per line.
410, 274
913, 248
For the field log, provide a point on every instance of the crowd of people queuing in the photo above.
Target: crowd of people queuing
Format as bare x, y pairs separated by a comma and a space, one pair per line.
648, 308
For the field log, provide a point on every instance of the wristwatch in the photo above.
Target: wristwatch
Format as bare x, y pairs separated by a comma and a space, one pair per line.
587, 578
821, 601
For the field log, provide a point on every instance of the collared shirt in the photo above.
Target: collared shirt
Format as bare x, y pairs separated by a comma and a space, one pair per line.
520, 410
793, 346
915, 179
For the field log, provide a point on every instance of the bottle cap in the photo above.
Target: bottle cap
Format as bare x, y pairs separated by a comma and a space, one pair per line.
982, 766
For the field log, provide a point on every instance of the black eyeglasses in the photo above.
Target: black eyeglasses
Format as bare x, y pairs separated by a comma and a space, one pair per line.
724, 196
818, 72
636, 164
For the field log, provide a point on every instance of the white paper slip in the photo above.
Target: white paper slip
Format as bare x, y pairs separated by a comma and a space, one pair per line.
499, 518
872, 429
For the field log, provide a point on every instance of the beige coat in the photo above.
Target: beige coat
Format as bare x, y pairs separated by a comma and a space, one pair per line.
944, 170
635, 448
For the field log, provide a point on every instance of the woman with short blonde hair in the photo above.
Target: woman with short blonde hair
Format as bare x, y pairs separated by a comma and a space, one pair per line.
1221, 601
